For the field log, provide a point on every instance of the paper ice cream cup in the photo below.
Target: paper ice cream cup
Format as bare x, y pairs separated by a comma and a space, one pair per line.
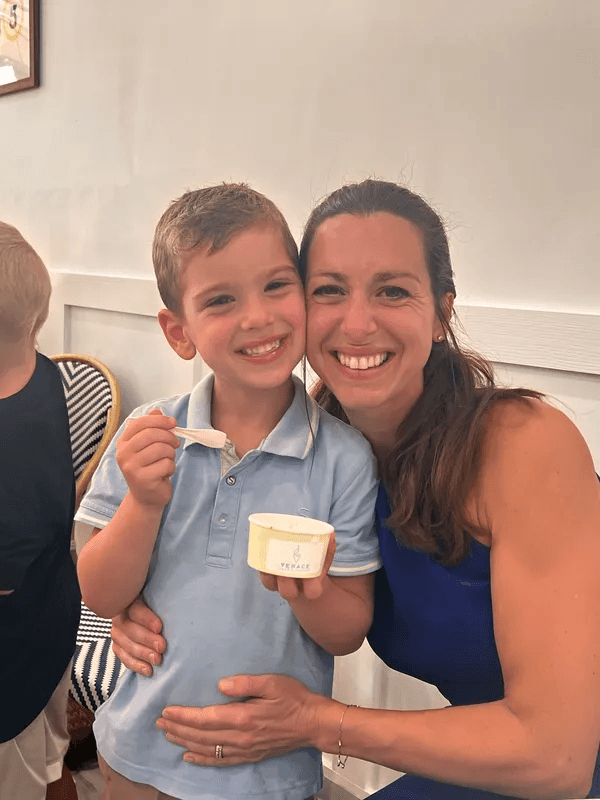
284, 544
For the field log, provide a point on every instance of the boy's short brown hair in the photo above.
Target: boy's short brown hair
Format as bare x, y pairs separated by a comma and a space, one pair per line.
25, 287
210, 216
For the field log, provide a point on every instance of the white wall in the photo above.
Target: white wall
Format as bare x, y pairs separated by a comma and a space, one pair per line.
489, 109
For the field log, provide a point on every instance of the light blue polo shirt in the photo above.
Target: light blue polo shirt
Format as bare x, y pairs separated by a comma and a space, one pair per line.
218, 618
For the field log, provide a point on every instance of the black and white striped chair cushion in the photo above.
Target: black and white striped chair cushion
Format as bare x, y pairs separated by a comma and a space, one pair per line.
96, 669
89, 399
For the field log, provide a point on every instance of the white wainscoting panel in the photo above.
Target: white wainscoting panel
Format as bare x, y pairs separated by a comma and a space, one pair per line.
113, 318
134, 348
363, 679
574, 393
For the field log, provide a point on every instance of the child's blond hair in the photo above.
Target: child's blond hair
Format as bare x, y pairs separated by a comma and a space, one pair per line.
24, 287
210, 216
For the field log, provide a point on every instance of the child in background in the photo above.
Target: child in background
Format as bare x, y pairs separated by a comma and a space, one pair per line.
173, 521
39, 595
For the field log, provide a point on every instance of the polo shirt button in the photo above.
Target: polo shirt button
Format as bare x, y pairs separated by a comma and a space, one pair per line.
230, 480
223, 519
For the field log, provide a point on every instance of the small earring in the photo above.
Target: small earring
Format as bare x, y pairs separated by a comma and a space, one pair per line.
440, 338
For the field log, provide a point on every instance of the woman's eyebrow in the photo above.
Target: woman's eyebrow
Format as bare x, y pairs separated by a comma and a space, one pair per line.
379, 277
382, 277
333, 276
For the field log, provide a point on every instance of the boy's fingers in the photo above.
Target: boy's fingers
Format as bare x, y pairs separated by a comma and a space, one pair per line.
313, 588
140, 439
166, 468
151, 420
329, 555
159, 470
288, 588
268, 581
151, 454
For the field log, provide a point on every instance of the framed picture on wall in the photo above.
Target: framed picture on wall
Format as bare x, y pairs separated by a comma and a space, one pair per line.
19, 45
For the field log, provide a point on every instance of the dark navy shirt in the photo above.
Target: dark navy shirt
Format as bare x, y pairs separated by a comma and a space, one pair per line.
38, 621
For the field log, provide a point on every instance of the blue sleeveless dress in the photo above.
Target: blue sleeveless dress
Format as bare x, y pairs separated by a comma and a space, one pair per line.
435, 623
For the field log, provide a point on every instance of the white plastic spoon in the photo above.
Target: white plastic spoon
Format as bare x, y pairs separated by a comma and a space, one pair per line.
209, 437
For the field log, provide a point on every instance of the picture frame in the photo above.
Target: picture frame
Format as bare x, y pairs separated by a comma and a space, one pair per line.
19, 45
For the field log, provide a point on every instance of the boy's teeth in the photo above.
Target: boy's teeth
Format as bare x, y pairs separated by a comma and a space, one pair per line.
262, 348
364, 362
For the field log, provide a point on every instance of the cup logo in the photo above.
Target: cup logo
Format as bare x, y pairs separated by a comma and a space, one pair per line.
291, 558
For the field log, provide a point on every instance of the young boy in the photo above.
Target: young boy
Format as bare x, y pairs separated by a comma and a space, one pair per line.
39, 594
175, 519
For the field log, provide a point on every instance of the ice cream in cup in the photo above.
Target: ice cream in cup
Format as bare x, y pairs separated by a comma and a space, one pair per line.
285, 544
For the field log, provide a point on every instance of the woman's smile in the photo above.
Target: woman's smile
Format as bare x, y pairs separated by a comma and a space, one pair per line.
361, 362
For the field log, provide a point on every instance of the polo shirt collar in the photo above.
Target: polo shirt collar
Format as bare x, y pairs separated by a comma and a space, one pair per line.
199, 404
292, 436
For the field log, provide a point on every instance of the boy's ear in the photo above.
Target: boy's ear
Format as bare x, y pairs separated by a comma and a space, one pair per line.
175, 334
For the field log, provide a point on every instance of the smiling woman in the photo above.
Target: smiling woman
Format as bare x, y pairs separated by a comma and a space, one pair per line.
488, 521
373, 315
392, 293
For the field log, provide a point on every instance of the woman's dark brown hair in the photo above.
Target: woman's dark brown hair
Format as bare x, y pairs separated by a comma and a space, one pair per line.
436, 457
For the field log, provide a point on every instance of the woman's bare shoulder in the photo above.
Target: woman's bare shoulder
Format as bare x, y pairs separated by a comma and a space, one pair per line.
531, 449
527, 425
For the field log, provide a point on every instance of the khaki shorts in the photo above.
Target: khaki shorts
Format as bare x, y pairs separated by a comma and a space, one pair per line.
34, 758
118, 787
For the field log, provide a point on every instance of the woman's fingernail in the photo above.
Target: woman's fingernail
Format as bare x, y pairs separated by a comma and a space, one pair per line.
166, 714
155, 658
190, 759
225, 685
147, 671
161, 724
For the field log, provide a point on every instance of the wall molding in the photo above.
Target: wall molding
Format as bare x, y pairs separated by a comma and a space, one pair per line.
127, 295
556, 340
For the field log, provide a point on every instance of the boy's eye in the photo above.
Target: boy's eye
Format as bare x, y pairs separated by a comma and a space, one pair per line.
274, 285
219, 300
